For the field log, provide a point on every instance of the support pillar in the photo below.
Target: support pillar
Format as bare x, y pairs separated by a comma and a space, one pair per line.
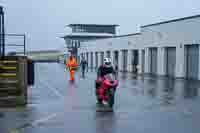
112, 56
91, 60
147, 61
99, 59
130, 58
105, 54
140, 63
94, 60
180, 68
161, 58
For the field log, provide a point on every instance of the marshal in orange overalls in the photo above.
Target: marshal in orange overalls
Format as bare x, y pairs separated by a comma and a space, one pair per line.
72, 65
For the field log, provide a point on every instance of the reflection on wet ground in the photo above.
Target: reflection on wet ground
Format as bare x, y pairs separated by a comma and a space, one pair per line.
163, 88
105, 122
143, 104
1, 115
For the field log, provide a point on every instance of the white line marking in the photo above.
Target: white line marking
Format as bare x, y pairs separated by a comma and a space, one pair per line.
56, 92
36, 122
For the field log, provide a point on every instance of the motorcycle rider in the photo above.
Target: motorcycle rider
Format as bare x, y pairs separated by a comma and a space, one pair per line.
83, 65
104, 69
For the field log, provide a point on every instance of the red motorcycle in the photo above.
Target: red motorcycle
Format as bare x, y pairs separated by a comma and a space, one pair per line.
105, 89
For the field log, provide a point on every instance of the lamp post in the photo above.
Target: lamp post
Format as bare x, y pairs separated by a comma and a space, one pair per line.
2, 33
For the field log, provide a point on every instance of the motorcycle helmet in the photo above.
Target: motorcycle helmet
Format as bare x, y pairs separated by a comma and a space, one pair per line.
107, 62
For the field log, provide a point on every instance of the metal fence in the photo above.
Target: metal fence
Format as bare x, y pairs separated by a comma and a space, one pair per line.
15, 43
10, 44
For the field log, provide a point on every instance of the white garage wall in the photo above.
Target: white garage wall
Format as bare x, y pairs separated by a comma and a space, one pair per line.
171, 34
111, 44
163, 35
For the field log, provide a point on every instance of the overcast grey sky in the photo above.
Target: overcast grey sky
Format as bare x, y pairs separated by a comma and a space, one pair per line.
44, 20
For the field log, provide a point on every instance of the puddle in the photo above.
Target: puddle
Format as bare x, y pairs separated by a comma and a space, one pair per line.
1, 115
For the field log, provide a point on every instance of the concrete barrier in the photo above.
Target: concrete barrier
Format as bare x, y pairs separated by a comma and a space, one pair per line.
13, 81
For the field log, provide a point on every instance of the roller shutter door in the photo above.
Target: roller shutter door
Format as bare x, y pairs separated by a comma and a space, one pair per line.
135, 60
87, 57
116, 58
96, 60
91, 65
125, 60
153, 60
143, 60
171, 61
192, 63
108, 54
102, 57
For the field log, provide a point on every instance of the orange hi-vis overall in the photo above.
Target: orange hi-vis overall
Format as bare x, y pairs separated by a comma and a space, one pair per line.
71, 64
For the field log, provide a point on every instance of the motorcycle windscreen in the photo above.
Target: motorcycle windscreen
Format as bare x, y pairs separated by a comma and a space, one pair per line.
110, 77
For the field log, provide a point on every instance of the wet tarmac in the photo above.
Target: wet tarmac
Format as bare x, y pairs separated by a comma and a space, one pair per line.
143, 105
